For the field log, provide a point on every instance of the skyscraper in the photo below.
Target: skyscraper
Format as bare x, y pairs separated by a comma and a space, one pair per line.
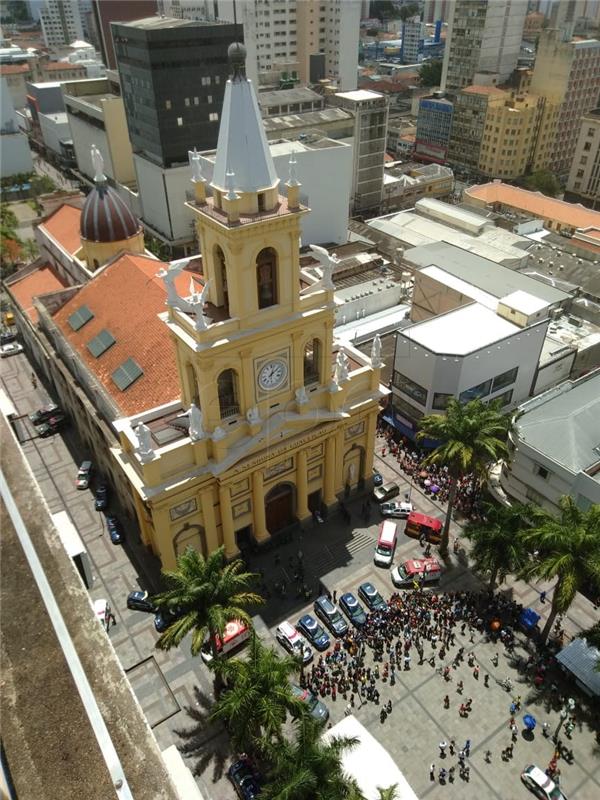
62, 22
107, 11
483, 42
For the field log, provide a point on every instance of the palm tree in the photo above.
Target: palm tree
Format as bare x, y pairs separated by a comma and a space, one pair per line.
496, 545
258, 698
310, 768
388, 794
470, 437
30, 249
205, 594
568, 549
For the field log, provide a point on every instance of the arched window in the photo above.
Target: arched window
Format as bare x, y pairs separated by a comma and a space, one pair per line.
227, 385
266, 277
96, 264
221, 277
312, 354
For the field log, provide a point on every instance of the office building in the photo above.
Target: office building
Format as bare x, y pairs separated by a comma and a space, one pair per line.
584, 178
434, 123
370, 111
106, 11
405, 184
62, 22
434, 10
412, 40
16, 157
567, 74
483, 42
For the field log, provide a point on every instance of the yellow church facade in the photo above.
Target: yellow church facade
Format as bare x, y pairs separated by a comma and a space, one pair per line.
276, 420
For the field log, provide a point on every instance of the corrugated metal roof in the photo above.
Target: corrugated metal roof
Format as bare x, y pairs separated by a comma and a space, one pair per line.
581, 659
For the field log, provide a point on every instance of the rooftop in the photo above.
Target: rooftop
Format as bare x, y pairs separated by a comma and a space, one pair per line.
32, 284
63, 227
535, 203
359, 94
302, 94
306, 119
483, 90
573, 409
56, 66
484, 274
158, 23
461, 331
13, 69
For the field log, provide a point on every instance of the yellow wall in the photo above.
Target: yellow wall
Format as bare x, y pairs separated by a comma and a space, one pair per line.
117, 136
101, 252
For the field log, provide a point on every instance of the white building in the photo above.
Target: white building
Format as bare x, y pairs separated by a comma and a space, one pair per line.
62, 22
554, 446
328, 200
468, 353
55, 129
14, 147
412, 39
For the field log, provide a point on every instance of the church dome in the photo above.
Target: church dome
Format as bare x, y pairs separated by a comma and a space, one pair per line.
105, 217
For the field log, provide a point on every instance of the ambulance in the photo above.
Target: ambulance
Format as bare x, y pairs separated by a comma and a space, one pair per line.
417, 572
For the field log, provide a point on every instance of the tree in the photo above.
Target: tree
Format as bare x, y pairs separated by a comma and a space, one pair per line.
543, 181
408, 11
382, 10
309, 768
430, 73
567, 548
470, 437
390, 793
258, 696
206, 594
496, 545
30, 249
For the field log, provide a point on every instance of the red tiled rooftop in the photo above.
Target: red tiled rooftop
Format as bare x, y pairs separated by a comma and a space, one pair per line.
13, 69
63, 227
42, 281
54, 66
125, 299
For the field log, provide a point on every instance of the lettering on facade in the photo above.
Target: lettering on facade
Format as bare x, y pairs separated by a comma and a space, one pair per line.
315, 472
241, 508
239, 487
278, 469
315, 452
183, 509
354, 430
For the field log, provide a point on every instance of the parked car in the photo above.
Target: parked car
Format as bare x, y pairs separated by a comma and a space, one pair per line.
51, 426
353, 609
372, 598
396, 509
44, 413
11, 349
417, 571
101, 499
140, 601
540, 784
245, 779
386, 492
165, 617
329, 614
377, 478
6, 337
114, 530
316, 708
310, 628
289, 638
84, 476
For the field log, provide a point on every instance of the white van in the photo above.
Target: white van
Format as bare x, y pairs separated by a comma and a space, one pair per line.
386, 543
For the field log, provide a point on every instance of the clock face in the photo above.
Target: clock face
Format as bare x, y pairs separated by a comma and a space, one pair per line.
273, 375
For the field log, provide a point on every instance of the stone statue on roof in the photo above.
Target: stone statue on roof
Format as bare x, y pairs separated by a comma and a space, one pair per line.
168, 276
196, 164
197, 302
196, 429
328, 263
376, 352
145, 448
98, 163
342, 364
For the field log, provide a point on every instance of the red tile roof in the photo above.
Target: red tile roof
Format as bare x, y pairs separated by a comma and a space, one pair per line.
13, 69
54, 66
125, 299
42, 281
63, 227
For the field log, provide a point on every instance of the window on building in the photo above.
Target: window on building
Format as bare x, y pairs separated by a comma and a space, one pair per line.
206, 80
440, 401
541, 472
196, 101
476, 392
590, 132
179, 121
209, 99
266, 277
587, 146
168, 105
583, 160
227, 387
504, 379
312, 355
187, 101
409, 387
503, 399
580, 173
213, 116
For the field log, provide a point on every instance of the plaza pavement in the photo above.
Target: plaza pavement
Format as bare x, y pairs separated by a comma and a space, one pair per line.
340, 557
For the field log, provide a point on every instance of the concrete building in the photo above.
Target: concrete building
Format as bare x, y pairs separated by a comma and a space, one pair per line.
266, 440
567, 74
289, 101
96, 115
434, 10
434, 123
62, 22
370, 111
56, 133
16, 156
106, 11
15, 78
483, 38
584, 178
405, 184
413, 31
553, 446
329, 200
331, 121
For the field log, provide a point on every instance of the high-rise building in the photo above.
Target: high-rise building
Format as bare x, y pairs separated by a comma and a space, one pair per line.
435, 9
568, 74
107, 11
370, 111
283, 36
62, 22
412, 39
584, 178
434, 123
483, 42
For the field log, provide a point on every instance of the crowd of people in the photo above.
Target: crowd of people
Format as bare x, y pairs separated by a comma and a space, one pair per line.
422, 628
433, 479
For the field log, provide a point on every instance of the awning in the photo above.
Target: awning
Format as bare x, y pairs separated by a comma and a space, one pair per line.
580, 659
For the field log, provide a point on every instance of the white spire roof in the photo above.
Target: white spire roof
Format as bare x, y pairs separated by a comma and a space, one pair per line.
242, 146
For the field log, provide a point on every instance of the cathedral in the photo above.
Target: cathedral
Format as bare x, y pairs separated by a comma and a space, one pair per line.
276, 420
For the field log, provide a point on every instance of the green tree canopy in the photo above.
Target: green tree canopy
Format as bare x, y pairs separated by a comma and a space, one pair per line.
471, 436
208, 593
567, 549
430, 73
543, 181
258, 696
497, 547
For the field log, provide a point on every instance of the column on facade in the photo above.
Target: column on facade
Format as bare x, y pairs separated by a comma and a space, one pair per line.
338, 471
329, 480
302, 485
231, 548
370, 445
258, 507
210, 522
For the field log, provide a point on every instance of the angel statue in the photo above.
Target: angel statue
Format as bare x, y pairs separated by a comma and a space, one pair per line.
197, 301
168, 276
144, 438
340, 374
376, 352
327, 262
196, 164
98, 163
196, 429
253, 416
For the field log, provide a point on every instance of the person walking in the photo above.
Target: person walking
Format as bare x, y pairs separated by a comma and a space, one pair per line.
446, 702
488, 756
443, 745
467, 748
495, 659
432, 772
486, 680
